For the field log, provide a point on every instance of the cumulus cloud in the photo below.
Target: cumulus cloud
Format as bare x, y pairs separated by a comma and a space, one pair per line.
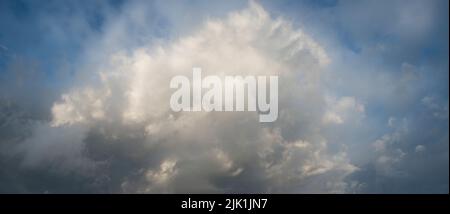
345, 124
128, 108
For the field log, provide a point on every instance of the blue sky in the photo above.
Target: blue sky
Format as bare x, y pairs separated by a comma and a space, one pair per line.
380, 104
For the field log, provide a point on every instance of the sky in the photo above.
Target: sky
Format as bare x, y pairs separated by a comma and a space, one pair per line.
363, 96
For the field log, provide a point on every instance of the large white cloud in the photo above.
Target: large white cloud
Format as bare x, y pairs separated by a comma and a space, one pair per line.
127, 121
90, 112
